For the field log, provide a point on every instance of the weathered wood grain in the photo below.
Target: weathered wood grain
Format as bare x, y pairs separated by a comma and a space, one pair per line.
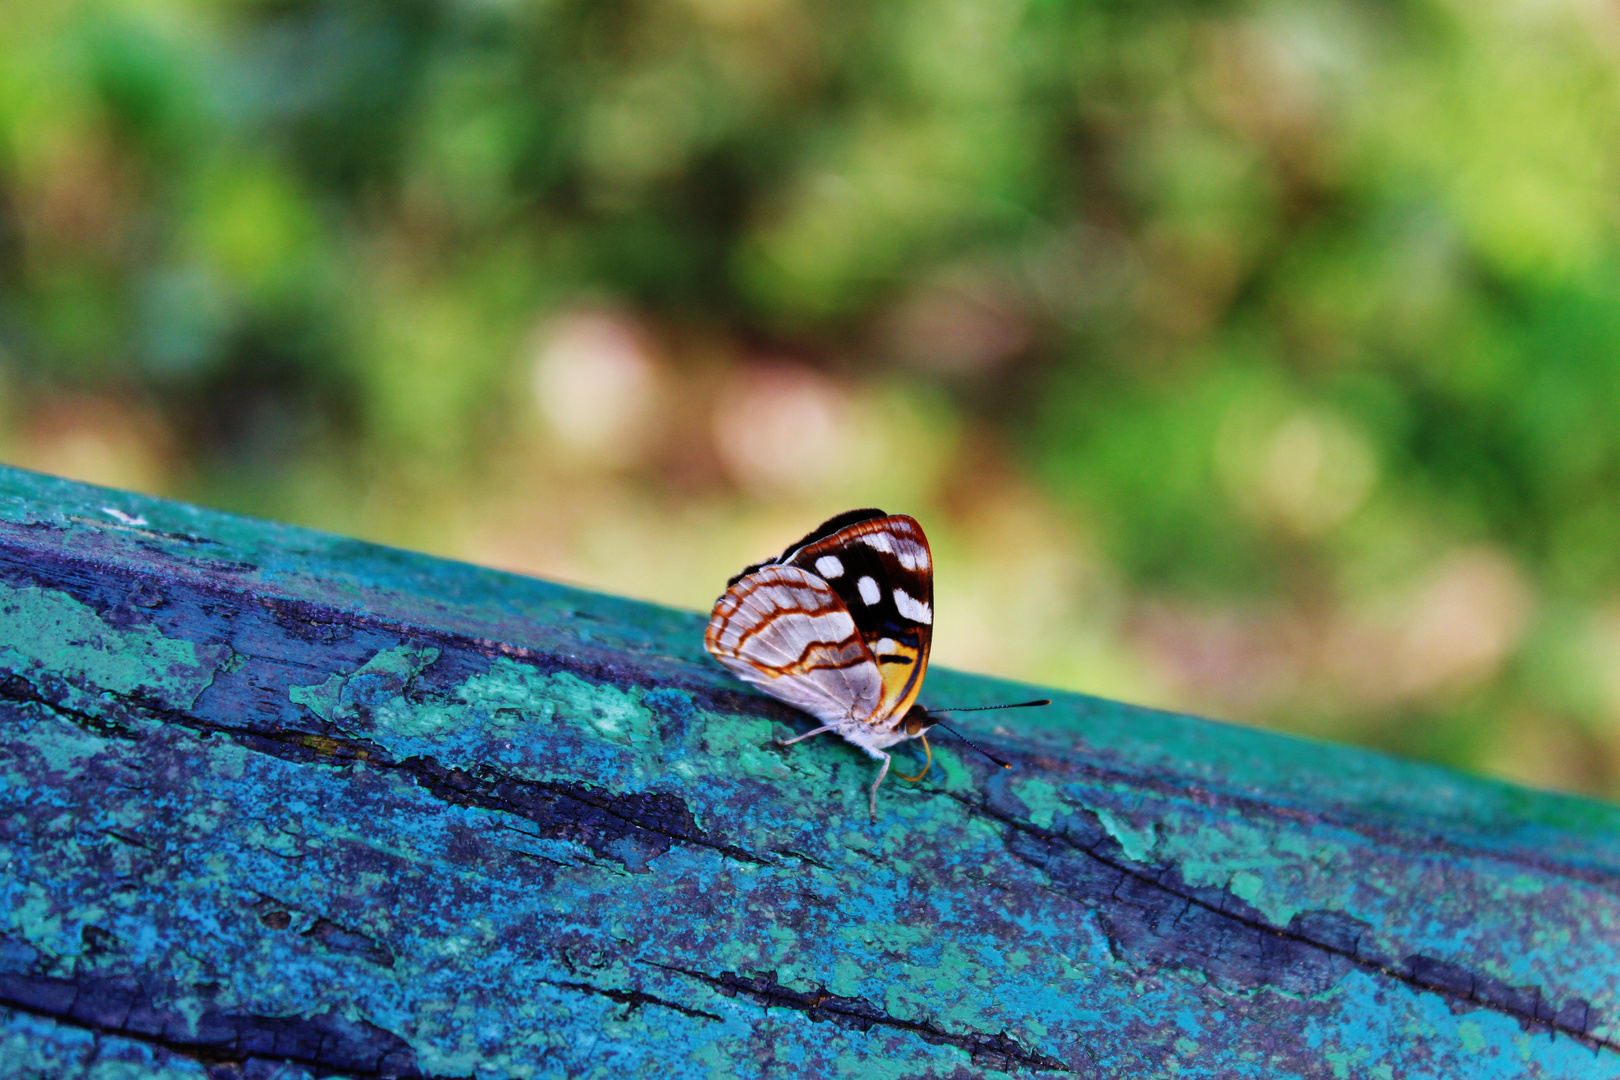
274, 803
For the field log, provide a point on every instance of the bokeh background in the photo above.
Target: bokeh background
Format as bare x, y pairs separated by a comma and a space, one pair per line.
1259, 358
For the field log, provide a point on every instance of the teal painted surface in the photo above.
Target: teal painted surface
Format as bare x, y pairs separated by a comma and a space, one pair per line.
274, 803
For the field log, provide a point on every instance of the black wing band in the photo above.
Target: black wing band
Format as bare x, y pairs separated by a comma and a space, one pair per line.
820, 532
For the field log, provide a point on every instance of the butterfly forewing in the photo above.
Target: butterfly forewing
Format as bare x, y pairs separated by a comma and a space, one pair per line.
882, 570
788, 632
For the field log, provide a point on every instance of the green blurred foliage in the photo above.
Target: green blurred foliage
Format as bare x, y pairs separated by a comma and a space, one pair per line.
1304, 314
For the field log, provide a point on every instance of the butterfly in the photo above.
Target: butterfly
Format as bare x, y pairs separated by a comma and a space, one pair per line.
839, 625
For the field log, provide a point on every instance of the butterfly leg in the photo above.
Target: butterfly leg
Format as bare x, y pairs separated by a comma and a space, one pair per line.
882, 772
806, 735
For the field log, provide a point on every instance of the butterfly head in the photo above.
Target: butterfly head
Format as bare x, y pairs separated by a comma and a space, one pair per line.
918, 721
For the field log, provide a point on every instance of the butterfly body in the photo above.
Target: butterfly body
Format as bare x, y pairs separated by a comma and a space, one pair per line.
838, 625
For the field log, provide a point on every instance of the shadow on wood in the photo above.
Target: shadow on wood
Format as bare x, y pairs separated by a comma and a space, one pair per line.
283, 804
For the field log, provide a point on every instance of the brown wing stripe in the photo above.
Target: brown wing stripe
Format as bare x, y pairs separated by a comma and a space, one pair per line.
800, 668
763, 624
741, 593
802, 663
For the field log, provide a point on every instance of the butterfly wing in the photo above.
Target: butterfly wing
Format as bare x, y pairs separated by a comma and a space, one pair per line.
789, 633
881, 568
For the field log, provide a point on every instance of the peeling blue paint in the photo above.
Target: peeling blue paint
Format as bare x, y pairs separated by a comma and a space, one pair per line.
520, 830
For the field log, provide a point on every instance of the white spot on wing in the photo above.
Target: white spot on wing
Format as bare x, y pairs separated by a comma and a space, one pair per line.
915, 610
879, 540
829, 567
911, 555
870, 593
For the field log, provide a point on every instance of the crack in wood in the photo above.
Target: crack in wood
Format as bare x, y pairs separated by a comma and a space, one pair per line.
632, 999
857, 1014
630, 828
1131, 901
1180, 788
326, 1042
15, 687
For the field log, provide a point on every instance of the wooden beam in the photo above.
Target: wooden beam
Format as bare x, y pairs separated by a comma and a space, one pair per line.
275, 800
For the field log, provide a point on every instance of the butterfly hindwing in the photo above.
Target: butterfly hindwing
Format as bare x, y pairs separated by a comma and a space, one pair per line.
789, 633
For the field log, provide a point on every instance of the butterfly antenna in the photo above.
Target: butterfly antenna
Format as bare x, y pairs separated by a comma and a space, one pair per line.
973, 744
985, 708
